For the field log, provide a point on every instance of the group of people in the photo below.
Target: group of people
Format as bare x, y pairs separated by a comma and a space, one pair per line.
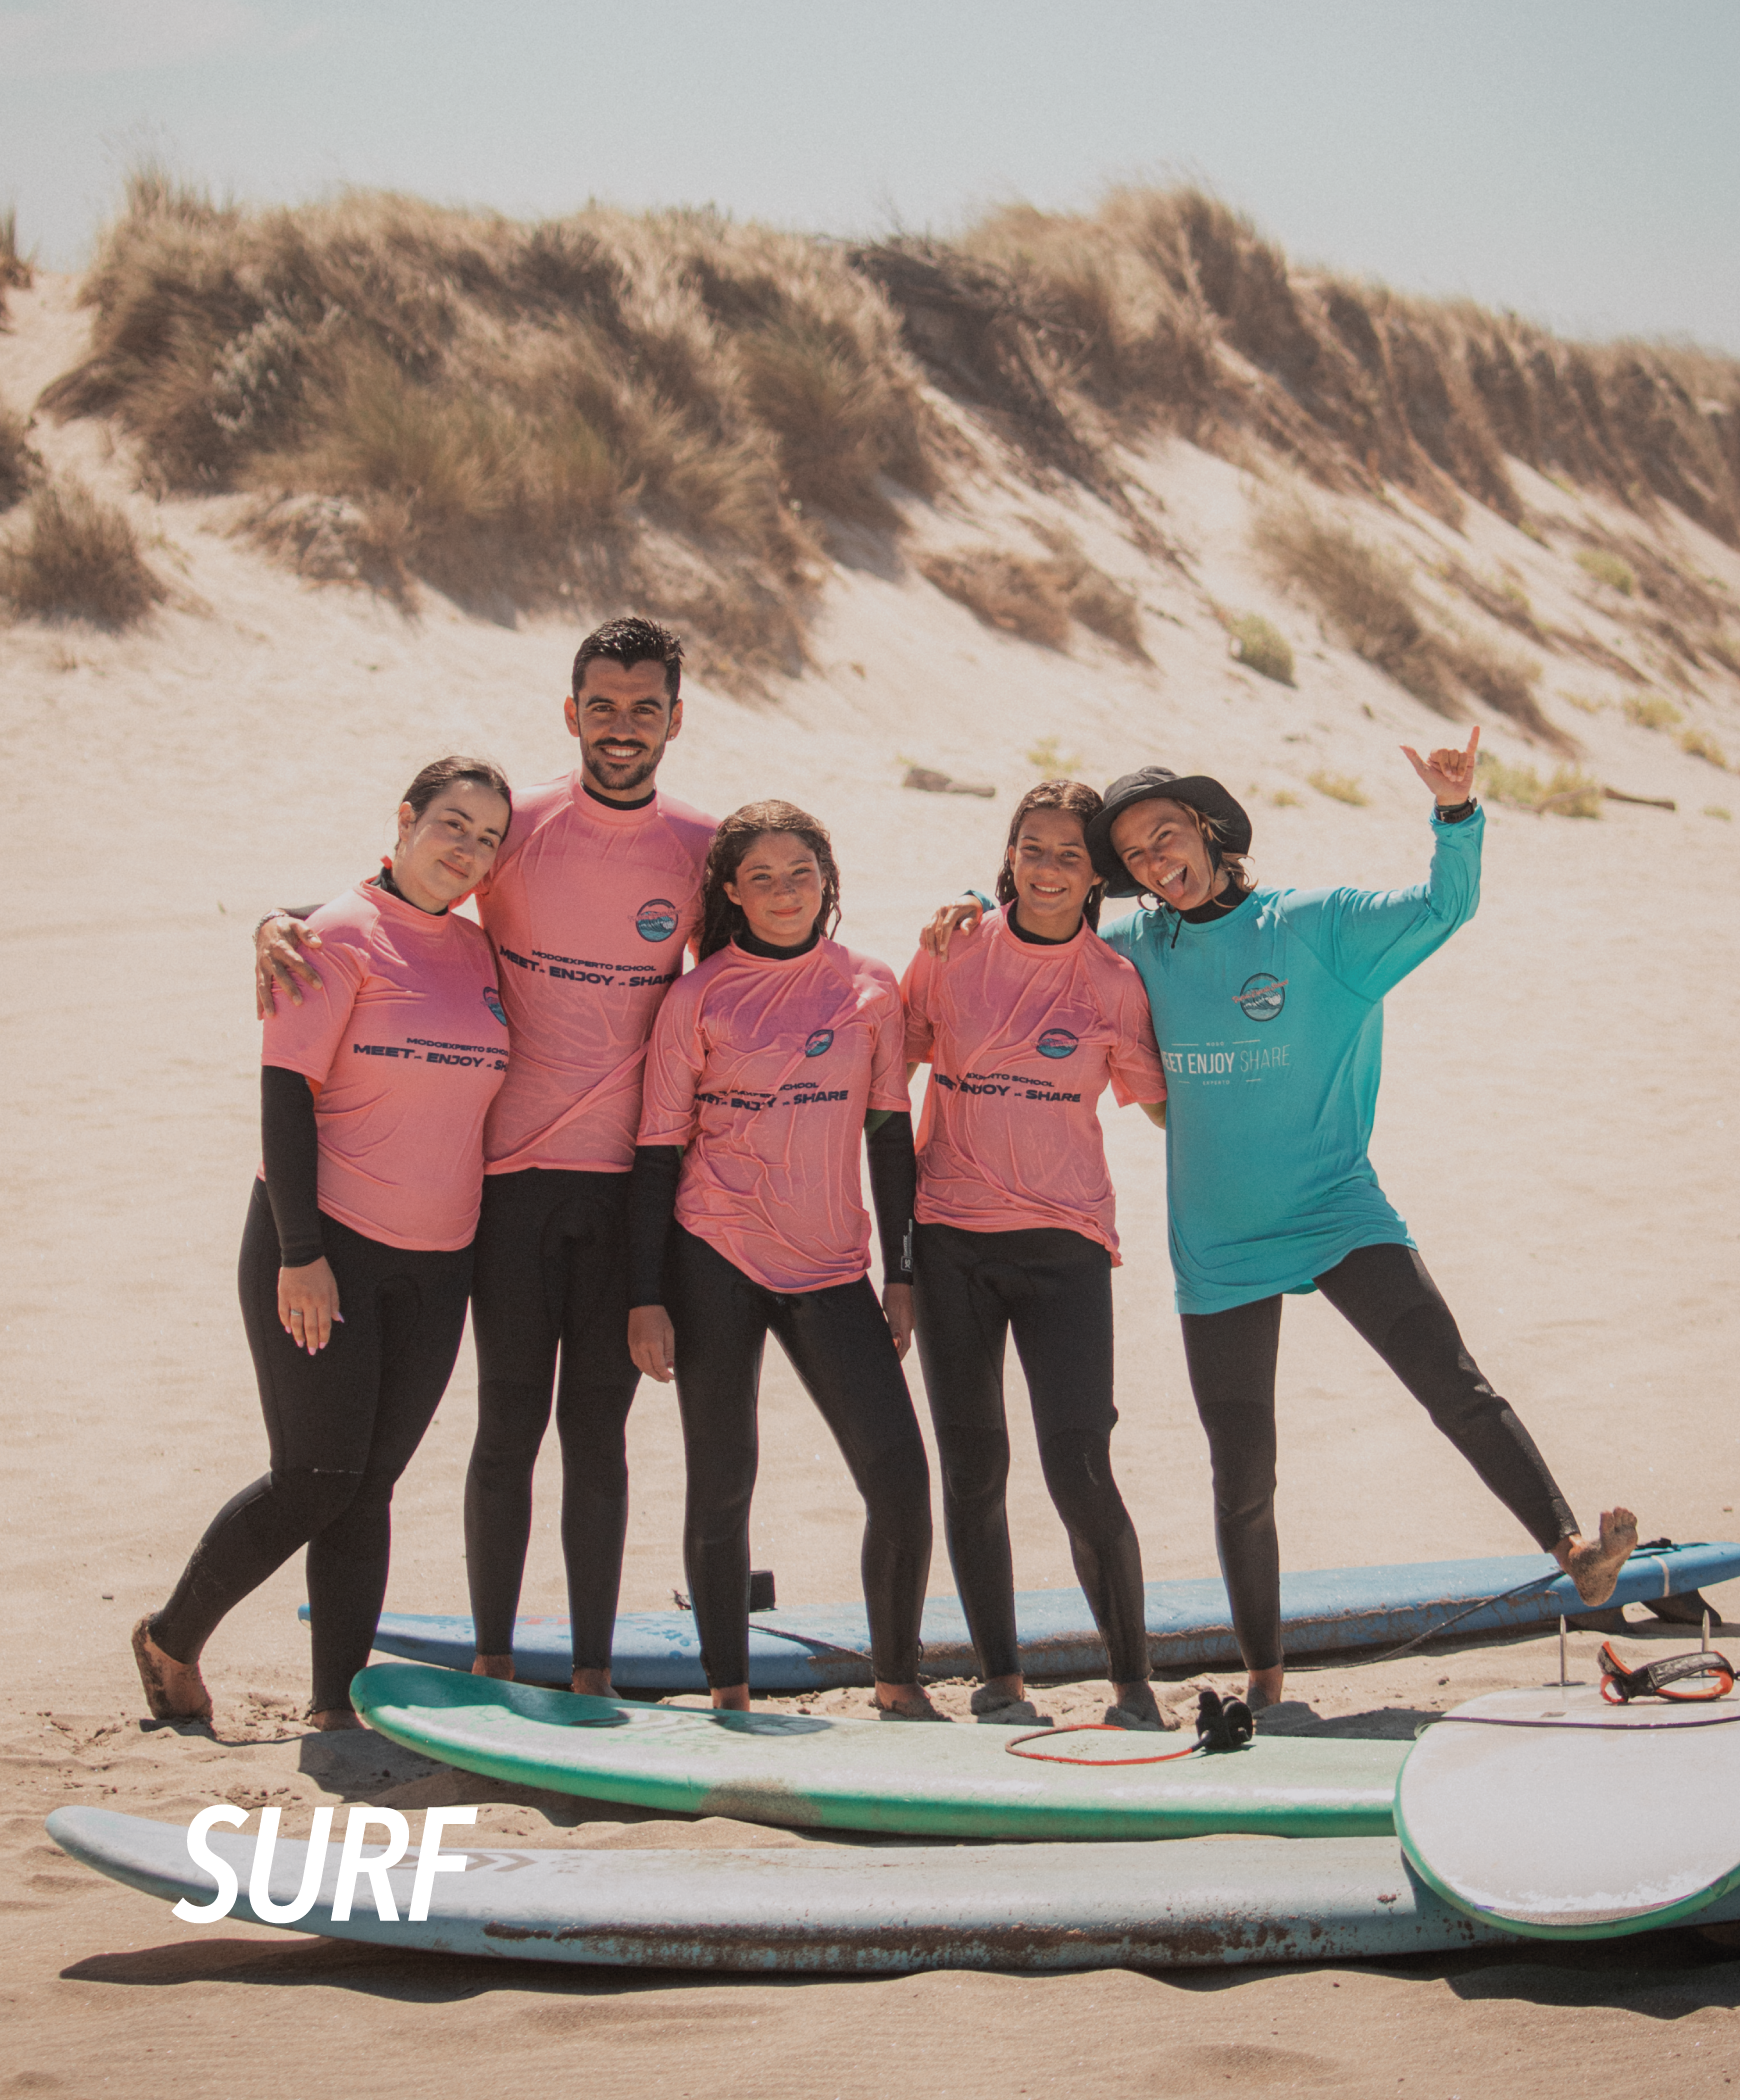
628, 1167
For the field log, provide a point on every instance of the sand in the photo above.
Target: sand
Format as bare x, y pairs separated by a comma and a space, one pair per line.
1558, 1126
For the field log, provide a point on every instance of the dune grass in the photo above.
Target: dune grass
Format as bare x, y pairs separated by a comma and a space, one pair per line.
1339, 787
1698, 743
17, 272
1568, 793
693, 414
1651, 711
1037, 598
1260, 646
1367, 596
1607, 568
77, 558
19, 465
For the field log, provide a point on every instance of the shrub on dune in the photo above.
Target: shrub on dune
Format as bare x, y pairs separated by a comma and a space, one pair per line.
77, 558
19, 465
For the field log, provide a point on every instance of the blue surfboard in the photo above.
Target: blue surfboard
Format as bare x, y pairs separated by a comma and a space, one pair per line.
1323, 1610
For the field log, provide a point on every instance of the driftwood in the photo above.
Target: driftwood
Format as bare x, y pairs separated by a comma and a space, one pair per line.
1642, 801
933, 783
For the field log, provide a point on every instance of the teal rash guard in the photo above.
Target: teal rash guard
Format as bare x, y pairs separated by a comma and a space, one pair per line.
1270, 1022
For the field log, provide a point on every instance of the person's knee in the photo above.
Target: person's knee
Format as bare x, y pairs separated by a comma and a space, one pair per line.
316, 1496
1425, 1350
975, 1468
511, 1420
896, 1490
1080, 1482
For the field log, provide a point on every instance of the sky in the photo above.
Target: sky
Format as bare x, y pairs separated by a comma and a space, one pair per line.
1576, 160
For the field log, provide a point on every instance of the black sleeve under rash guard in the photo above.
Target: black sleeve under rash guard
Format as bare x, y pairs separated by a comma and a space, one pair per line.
652, 1201
893, 1190
291, 1150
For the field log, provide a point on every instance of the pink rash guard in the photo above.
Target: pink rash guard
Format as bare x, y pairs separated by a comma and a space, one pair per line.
405, 1043
589, 908
1022, 1040
765, 1071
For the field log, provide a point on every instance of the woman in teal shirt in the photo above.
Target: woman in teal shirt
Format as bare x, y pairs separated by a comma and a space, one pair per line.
1268, 1008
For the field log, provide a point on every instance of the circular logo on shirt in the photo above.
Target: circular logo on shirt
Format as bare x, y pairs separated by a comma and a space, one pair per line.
1262, 997
818, 1042
492, 999
1058, 1042
656, 920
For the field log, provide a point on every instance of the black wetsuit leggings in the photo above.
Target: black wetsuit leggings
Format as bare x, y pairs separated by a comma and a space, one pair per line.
1387, 1296
551, 1277
340, 1428
1053, 1288
840, 1347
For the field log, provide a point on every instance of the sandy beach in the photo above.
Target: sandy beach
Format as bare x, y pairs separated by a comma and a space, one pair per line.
1558, 1126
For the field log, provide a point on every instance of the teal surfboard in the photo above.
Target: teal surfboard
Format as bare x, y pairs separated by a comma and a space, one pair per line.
1553, 1814
922, 1780
810, 1648
849, 1910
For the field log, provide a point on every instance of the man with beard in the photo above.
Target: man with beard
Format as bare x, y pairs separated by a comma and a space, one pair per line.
591, 901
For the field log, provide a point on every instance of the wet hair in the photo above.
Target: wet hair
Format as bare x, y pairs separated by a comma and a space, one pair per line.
441, 773
1237, 865
720, 918
630, 642
1078, 800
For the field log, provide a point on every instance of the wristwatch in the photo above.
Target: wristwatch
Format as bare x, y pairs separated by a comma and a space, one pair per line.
1456, 813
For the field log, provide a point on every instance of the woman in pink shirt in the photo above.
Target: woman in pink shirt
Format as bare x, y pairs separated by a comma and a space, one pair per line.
767, 1065
356, 1257
1024, 1024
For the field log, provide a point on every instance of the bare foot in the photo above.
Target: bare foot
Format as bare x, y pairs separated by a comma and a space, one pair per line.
595, 1684
1594, 1565
1264, 1688
501, 1666
731, 1698
335, 1720
173, 1691
903, 1702
1137, 1707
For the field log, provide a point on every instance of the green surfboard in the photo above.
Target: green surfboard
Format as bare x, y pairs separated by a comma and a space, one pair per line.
921, 1780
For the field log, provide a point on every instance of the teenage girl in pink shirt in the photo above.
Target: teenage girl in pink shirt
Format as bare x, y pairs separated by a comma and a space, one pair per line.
768, 1063
356, 1256
1024, 1025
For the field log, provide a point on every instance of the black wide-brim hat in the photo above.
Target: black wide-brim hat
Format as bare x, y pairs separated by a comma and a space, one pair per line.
1152, 784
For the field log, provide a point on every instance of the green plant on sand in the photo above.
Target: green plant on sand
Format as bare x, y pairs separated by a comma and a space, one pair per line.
1698, 743
1261, 646
19, 465
1569, 793
1651, 711
1339, 787
1611, 569
1050, 761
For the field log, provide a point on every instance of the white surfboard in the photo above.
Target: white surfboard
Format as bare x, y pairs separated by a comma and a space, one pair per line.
1557, 1815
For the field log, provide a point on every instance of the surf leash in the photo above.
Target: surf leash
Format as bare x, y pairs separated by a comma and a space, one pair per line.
1537, 1582
1218, 1727
1619, 1686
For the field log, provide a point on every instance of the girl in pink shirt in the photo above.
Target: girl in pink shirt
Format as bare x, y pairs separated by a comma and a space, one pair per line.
356, 1257
767, 1063
1024, 1024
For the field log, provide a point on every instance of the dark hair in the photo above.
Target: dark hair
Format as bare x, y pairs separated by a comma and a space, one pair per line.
441, 773
1077, 799
720, 918
630, 642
